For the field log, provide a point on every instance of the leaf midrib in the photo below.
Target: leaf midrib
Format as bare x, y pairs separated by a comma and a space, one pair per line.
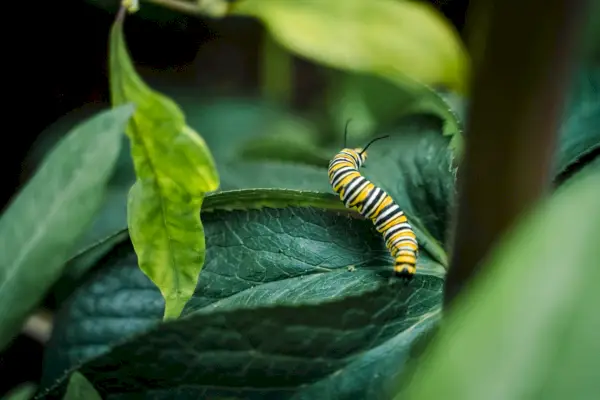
173, 266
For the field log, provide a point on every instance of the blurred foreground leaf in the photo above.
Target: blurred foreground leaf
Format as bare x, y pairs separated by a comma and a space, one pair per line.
43, 222
174, 170
528, 328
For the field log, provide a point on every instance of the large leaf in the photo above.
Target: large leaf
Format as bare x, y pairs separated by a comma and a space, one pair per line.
174, 170
391, 38
527, 328
403, 41
317, 277
43, 222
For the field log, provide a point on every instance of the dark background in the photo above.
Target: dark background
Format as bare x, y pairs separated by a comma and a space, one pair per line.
56, 53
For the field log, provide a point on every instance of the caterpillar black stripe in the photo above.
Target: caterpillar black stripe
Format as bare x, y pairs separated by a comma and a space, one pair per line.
374, 203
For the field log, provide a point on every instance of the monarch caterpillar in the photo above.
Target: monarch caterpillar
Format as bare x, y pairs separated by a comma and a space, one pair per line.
374, 203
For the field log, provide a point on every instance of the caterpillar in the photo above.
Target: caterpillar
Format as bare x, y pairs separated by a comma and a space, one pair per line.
372, 202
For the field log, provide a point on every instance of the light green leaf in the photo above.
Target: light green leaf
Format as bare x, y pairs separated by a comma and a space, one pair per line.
391, 38
40, 227
528, 328
174, 170
408, 43
79, 388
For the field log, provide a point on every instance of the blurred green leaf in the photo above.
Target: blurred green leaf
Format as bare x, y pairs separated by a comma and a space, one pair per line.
174, 170
79, 388
394, 39
408, 43
21, 392
41, 225
281, 270
527, 328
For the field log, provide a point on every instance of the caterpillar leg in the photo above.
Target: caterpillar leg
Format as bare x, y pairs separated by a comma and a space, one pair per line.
405, 271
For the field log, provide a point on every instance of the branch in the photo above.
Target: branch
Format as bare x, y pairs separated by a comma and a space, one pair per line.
518, 95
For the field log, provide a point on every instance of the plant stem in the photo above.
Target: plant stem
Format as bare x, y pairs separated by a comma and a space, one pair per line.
518, 93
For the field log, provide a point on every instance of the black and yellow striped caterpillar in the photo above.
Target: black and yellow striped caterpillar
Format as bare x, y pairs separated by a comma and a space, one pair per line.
374, 203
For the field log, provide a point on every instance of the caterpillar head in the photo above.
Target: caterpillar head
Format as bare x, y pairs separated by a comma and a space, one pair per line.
362, 153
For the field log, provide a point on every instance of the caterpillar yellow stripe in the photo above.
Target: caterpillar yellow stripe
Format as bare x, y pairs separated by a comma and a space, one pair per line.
358, 193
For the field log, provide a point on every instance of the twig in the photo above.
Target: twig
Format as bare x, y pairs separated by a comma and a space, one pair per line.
517, 102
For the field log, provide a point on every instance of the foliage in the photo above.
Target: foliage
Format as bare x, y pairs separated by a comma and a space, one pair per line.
174, 170
66, 191
515, 335
355, 36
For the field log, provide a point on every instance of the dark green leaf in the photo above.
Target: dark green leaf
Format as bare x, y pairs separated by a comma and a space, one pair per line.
266, 261
174, 170
528, 327
112, 216
41, 225
580, 132
80, 388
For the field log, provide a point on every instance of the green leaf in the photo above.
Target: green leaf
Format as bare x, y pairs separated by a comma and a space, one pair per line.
22, 392
270, 270
424, 161
80, 388
579, 135
527, 328
262, 123
174, 170
408, 43
394, 39
41, 225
